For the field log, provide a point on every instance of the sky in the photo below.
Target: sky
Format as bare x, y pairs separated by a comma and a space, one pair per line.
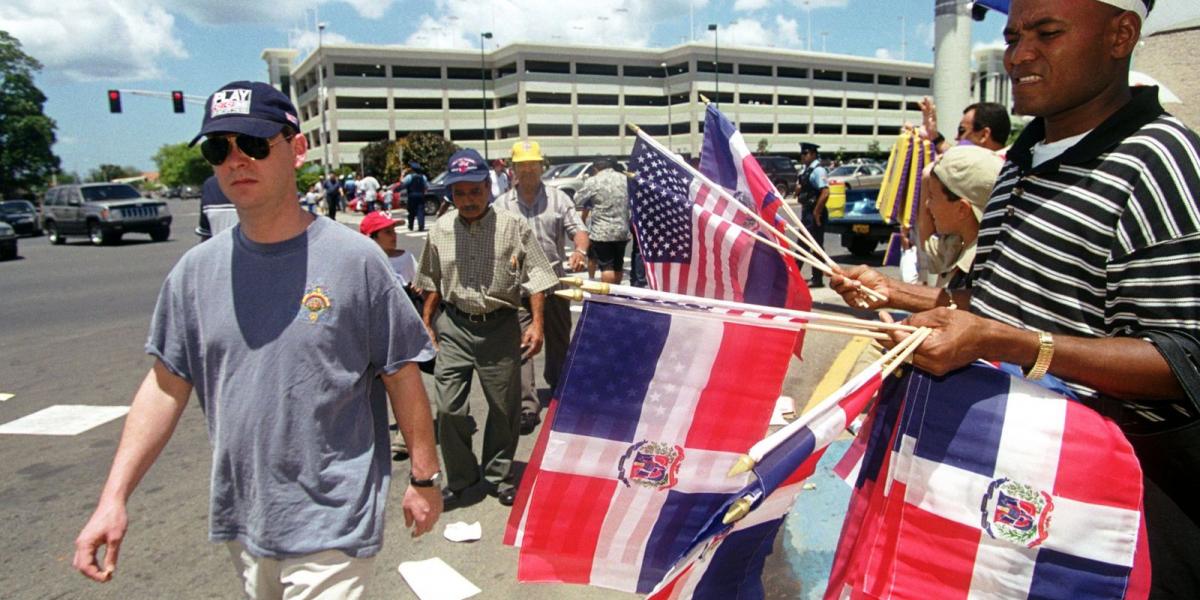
90, 46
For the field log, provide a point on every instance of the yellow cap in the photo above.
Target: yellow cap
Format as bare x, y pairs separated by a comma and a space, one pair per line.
526, 151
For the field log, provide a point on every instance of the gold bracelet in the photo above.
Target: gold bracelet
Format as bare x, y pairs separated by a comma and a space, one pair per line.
1044, 356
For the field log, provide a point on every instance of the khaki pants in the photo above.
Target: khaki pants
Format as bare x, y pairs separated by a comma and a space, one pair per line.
328, 575
493, 350
556, 328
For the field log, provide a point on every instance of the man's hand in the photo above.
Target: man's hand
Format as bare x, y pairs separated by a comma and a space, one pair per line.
106, 528
531, 342
577, 261
956, 341
422, 507
433, 336
817, 217
851, 283
929, 118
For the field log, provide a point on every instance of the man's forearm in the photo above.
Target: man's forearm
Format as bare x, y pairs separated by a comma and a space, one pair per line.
822, 198
410, 405
581, 241
432, 300
537, 304
152, 417
1120, 367
918, 298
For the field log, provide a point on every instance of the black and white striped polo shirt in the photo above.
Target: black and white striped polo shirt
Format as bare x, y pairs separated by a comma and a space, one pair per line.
1103, 240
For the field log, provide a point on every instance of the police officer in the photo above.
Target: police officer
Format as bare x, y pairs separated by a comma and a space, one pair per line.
812, 189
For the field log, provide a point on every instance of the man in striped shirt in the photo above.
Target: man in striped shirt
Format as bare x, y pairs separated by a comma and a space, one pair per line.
1091, 240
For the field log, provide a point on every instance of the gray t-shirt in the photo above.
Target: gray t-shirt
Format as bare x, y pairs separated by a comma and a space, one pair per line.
283, 344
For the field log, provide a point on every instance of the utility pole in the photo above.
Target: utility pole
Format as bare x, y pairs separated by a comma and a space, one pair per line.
487, 35
321, 99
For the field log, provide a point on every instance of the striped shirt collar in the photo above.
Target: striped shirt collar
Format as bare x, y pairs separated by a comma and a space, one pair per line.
1137, 113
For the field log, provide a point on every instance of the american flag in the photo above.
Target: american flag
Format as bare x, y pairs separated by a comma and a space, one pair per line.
688, 247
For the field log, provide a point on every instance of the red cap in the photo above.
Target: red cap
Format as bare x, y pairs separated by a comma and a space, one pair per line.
376, 221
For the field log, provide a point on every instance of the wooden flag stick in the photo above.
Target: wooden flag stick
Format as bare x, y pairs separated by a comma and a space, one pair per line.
604, 289
806, 258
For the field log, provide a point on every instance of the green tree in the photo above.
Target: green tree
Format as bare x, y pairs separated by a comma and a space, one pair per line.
307, 175
180, 165
763, 145
430, 150
108, 172
374, 160
26, 133
873, 150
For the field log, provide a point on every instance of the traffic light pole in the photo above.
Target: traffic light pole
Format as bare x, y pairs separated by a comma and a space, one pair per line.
167, 95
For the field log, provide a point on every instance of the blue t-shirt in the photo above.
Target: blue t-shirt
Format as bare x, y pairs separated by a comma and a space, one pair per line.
283, 344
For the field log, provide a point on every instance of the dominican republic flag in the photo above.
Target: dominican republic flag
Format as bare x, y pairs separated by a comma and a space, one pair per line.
980, 484
727, 161
727, 561
694, 242
654, 408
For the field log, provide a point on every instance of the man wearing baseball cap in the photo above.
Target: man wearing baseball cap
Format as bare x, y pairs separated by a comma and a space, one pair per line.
812, 191
551, 215
1088, 260
478, 264
294, 335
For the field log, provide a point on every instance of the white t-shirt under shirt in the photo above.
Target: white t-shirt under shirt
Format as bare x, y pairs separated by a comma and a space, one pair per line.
1043, 152
405, 267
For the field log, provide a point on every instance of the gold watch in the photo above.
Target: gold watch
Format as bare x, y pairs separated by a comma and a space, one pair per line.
1044, 356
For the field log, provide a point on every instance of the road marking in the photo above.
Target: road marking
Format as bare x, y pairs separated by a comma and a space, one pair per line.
6, 397
419, 234
839, 371
64, 419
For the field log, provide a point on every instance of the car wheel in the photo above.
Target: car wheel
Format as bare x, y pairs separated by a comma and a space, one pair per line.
862, 247
97, 234
8, 252
53, 233
160, 234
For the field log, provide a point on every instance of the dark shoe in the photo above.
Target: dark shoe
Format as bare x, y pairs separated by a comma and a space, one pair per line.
529, 422
507, 497
451, 498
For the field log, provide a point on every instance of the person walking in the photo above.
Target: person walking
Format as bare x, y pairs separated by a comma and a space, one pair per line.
477, 265
415, 184
552, 217
294, 335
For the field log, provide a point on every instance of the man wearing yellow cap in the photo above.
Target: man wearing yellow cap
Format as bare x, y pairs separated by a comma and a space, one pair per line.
1088, 261
551, 214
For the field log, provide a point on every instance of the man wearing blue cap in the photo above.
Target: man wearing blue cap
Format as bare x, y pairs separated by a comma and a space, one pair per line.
294, 334
812, 189
415, 184
476, 264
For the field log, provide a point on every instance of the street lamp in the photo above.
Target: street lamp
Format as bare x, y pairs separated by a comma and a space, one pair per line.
716, 62
667, 93
487, 35
324, 134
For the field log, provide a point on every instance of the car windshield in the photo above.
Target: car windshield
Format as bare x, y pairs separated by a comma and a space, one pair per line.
553, 171
843, 171
109, 192
14, 207
573, 170
440, 179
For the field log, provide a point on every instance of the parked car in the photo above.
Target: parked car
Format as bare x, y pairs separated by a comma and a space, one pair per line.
858, 176
21, 215
8, 242
103, 212
570, 178
781, 171
852, 214
189, 191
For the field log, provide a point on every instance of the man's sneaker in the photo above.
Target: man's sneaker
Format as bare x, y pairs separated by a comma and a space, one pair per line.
507, 497
529, 422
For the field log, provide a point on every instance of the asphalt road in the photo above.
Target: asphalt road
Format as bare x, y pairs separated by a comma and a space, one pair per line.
75, 319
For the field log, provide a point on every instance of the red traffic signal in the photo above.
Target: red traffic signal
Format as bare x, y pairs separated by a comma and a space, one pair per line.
177, 100
114, 101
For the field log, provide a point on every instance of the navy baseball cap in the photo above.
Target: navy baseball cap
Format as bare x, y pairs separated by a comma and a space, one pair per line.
466, 165
250, 107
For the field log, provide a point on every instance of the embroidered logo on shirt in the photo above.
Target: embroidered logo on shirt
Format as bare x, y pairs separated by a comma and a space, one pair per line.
315, 303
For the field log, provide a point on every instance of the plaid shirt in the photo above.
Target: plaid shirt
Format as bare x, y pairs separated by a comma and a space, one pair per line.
483, 266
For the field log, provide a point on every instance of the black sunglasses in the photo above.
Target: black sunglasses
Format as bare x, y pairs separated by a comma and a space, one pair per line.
216, 149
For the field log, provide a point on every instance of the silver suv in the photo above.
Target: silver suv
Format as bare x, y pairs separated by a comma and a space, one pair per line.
103, 212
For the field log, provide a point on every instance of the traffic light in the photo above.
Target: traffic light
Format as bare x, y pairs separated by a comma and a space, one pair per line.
177, 99
114, 101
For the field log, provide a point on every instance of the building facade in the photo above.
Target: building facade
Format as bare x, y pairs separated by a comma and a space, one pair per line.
577, 100
1168, 56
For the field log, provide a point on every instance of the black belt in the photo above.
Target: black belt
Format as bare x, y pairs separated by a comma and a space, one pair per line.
476, 318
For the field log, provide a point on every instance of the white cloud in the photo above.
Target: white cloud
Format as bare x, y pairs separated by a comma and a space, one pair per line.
783, 33
816, 4
305, 40
618, 23
229, 12
750, 5
884, 53
89, 40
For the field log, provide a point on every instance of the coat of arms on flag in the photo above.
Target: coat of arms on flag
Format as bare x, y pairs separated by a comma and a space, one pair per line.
982, 484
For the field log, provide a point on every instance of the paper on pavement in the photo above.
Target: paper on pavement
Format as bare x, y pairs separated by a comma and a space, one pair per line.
433, 579
461, 532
